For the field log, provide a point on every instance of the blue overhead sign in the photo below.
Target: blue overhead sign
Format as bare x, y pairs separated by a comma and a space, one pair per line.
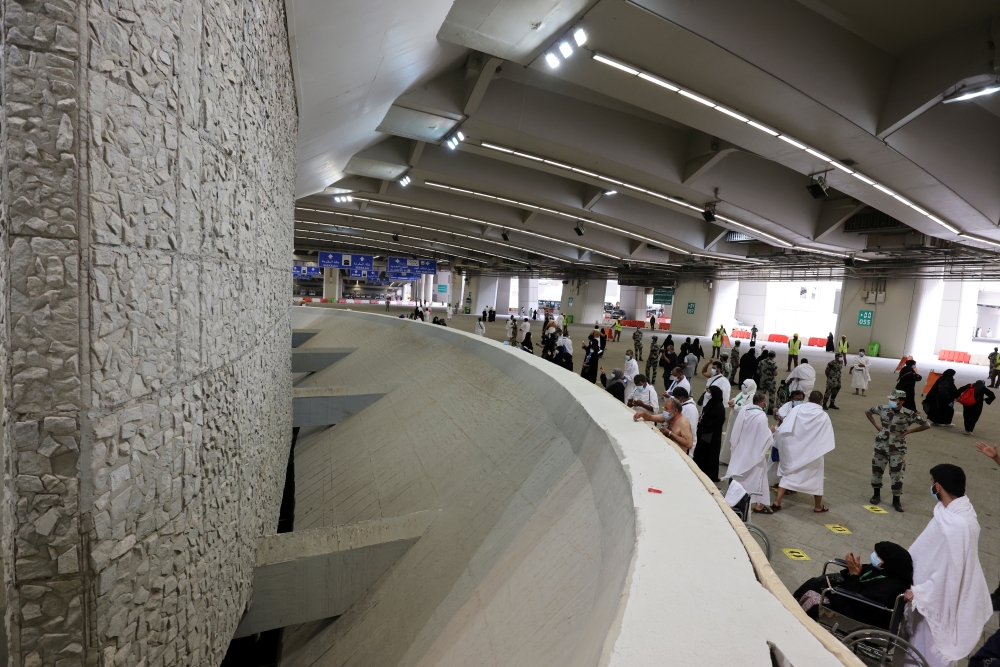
336, 260
306, 272
407, 265
364, 273
402, 275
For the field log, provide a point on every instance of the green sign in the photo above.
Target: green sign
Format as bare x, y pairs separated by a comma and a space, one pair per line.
663, 296
442, 288
865, 318
690, 307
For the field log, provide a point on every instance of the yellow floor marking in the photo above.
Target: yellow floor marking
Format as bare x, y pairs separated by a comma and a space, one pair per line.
838, 528
874, 509
796, 554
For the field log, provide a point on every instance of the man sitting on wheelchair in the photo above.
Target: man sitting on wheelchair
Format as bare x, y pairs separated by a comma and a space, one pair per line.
889, 575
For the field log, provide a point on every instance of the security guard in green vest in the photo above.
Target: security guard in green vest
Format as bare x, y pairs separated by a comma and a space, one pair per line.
794, 345
618, 329
843, 346
717, 343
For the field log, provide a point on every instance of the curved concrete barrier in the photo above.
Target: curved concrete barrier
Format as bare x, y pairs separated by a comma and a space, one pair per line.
547, 548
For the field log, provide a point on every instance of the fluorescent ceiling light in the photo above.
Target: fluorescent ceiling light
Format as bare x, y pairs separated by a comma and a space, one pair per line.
842, 167
944, 224
762, 128
580, 37
698, 99
495, 147
824, 158
734, 115
611, 192
884, 189
461, 137
863, 178
614, 63
968, 94
979, 240
791, 141
658, 82
552, 60
565, 49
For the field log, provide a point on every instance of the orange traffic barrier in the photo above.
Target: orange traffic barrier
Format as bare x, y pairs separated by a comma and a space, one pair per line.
902, 362
931, 379
955, 355
777, 338
740, 333
816, 342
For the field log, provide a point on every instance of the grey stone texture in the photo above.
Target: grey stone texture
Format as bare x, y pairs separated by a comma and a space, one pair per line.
146, 223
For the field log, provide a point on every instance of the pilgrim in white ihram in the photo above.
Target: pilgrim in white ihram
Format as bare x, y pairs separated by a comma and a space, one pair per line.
751, 443
802, 440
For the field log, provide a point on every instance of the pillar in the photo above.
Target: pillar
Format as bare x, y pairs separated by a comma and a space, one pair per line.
723, 308
925, 313
442, 278
484, 293
527, 294
693, 305
503, 297
633, 302
332, 284
588, 300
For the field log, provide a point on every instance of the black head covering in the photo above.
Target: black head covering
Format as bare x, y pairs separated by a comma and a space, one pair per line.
896, 560
950, 373
716, 397
527, 338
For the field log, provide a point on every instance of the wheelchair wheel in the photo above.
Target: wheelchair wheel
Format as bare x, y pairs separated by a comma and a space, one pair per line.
760, 537
878, 648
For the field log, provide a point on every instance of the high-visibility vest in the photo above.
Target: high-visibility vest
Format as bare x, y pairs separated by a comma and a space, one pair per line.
843, 347
794, 345
618, 325
717, 340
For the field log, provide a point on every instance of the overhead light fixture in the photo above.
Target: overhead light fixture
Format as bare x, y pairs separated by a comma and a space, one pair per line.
608, 193
970, 93
963, 94
461, 137
578, 229
580, 37
504, 236
818, 188
552, 60
342, 199
565, 49
709, 213
980, 240
404, 181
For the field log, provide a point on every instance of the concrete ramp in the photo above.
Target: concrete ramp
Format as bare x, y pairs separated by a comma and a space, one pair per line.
546, 549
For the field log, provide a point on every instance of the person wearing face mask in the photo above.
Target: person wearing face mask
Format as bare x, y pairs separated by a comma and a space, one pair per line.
616, 385
709, 434
803, 377
894, 423
736, 404
908, 378
751, 443
675, 426
688, 408
834, 371
678, 380
631, 370
889, 575
796, 398
716, 378
860, 375
643, 397
949, 601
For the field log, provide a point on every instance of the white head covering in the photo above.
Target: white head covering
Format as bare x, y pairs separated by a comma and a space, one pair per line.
805, 435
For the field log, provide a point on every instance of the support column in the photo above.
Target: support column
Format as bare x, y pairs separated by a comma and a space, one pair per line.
633, 302
588, 300
693, 303
429, 286
503, 297
925, 313
484, 294
723, 310
442, 278
527, 294
332, 284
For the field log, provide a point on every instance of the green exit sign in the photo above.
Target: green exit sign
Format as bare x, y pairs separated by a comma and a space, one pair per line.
865, 318
442, 288
690, 307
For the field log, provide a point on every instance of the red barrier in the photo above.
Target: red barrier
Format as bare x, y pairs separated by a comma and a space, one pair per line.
777, 338
665, 327
955, 355
635, 323
740, 333
817, 342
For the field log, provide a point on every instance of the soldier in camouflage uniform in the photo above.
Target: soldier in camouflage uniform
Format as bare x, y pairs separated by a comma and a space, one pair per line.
734, 363
637, 343
727, 370
653, 362
893, 422
834, 374
768, 369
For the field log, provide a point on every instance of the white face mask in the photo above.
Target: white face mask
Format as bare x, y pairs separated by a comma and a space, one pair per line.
628, 357
861, 354
796, 403
893, 404
668, 415
875, 561
715, 371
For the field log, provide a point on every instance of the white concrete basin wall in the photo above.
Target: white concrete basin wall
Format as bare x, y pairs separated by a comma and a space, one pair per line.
680, 581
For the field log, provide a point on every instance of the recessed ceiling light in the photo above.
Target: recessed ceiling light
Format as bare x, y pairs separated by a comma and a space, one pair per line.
552, 60
461, 137
580, 37
611, 192
565, 49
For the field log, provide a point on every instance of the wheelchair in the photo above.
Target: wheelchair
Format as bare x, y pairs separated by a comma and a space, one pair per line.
742, 509
876, 644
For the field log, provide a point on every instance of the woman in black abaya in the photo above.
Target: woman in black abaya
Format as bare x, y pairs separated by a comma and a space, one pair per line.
709, 440
940, 402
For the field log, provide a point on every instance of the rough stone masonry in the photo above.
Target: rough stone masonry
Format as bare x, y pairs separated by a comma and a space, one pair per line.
147, 202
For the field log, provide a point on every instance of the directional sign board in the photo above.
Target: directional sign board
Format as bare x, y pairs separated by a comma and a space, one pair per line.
364, 273
663, 296
865, 318
337, 260
407, 265
306, 272
402, 275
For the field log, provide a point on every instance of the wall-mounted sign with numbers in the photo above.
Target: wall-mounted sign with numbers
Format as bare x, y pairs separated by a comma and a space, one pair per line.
691, 307
865, 318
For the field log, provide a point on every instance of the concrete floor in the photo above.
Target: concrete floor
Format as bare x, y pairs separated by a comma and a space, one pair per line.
848, 467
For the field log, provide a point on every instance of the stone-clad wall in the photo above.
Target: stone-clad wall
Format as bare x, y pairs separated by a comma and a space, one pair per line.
149, 155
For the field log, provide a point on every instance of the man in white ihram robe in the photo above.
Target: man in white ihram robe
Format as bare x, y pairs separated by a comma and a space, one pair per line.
949, 602
751, 442
802, 440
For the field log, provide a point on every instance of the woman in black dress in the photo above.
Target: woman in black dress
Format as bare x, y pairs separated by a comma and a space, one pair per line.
616, 385
591, 353
685, 346
696, 350
709, 440
940, 402
972, 413
908, 379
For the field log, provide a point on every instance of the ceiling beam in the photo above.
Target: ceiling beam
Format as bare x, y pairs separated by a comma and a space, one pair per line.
479, 73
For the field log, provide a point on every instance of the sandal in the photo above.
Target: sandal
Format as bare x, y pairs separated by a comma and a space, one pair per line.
763, 510
775, 508
820, 511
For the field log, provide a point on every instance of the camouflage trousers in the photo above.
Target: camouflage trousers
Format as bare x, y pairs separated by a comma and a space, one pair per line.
770, 390
895, 457
830, 397
651, 367
638, 351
